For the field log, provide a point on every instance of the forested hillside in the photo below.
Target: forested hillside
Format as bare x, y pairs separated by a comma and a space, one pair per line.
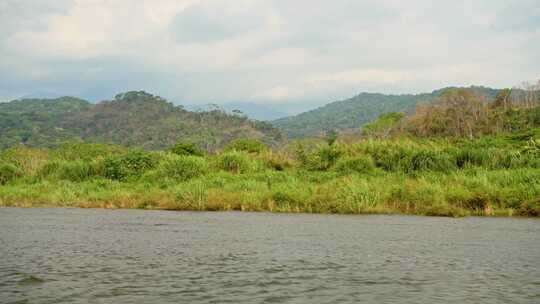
351, 114
131, 119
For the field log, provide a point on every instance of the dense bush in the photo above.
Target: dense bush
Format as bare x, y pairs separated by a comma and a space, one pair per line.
488, 176
133, 163
359, 164
8, 172
86, 151
236, 162
431, 160
467, 157
320, 159
246, 145
276, 161
75, 171
186, 148
28, 160
184, 168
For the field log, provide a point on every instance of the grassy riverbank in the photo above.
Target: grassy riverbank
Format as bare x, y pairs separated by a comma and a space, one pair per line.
487, 176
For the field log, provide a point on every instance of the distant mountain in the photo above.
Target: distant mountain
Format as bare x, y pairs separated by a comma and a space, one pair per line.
133, 118
255, 111
251, 110
352, 113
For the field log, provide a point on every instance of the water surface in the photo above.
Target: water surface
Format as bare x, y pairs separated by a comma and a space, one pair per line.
132, 256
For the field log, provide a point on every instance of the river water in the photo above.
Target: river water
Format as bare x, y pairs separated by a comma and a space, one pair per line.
132, 256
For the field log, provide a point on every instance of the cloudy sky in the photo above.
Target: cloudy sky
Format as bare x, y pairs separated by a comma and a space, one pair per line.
264, 51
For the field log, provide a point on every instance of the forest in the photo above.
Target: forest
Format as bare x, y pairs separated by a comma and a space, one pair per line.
457, 155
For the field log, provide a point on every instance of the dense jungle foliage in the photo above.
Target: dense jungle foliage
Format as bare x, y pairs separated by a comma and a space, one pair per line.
134, 119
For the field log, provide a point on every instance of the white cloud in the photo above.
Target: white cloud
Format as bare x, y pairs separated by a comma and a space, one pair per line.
256, 50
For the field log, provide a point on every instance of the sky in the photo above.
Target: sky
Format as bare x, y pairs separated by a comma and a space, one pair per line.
263, 51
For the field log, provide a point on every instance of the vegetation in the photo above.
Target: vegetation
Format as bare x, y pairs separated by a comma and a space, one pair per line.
491, 175
348, 115
457, 155
132, 119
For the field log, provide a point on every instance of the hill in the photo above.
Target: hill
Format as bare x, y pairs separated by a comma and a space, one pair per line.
352, 113
133, 118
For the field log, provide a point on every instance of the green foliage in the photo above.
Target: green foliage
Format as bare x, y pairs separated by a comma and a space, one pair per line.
494, 175
186, 148
276, 161
331, 136
133, 119
246, 145
131, 164
184, 168
533, 147
322, 158
86, 151
8, 172
26, 159
467, 157
383, 125
349, 114
353, 113
362, 164
431, 160
235, 162
75, 171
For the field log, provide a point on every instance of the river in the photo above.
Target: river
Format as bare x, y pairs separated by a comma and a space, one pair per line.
135, 256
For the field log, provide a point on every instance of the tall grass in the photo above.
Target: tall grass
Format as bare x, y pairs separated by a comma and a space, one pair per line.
428, 177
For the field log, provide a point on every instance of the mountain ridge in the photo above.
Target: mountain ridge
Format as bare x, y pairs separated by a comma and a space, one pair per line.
351, 113
134, 118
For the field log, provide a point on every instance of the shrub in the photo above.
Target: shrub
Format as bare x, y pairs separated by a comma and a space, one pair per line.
532, 147
288, 197
75, 171
389, 156
235, 161
186, 148
28, 160
431, 160
8, 172
184, 168
529, 208
467, 157
86, 151
330, 155
322, 159
133, 163
359, 164
246, 145
276, 161
508, 159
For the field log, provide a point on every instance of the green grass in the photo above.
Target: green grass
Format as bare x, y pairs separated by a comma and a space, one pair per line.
405, 176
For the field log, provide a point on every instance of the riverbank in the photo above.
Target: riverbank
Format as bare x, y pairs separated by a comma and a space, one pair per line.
403, 176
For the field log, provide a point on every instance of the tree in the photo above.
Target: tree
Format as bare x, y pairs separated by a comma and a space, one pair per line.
457, 112
383, 125
503, 100
331, 136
